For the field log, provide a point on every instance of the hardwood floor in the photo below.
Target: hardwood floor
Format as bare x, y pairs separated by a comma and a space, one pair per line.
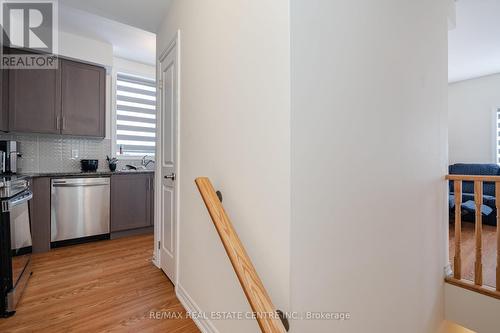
108, 286
468, 252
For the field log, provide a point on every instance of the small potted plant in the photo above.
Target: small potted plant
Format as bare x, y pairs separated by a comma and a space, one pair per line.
112, 163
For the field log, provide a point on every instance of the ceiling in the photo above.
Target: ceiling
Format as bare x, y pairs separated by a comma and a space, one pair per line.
128, 42
143, 14
474, 45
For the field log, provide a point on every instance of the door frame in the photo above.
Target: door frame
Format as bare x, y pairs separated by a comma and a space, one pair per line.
174, 43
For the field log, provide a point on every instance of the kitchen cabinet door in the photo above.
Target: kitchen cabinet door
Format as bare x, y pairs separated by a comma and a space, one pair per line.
83, 99
40, 214
34, 100
130, 202
4, 100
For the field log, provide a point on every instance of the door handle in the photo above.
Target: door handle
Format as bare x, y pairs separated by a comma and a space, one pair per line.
171, 176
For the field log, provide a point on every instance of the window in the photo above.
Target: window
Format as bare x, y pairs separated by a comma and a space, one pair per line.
135, 116
498, 135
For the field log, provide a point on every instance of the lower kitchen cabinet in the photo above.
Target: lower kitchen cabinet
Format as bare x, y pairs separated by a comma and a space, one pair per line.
132, 197
40, 214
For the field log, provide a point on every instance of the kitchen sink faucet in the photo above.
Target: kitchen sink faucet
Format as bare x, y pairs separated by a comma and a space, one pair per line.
145, 161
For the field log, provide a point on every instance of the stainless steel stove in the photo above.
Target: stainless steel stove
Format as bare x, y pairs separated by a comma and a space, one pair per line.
10, 185
15, 240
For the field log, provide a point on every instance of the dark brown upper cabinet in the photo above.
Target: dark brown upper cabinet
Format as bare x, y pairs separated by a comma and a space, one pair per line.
4, 100
34, 100
70, 100
83, 99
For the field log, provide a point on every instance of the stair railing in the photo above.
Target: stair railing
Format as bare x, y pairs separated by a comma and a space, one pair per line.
269, 319
456, 279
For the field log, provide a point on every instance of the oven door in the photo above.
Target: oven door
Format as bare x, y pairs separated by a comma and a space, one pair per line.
20, 235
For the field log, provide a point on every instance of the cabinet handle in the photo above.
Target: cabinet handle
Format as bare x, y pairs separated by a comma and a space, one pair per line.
63, 123
58, 123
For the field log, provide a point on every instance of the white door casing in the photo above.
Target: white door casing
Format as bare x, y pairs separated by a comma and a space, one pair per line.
167, 160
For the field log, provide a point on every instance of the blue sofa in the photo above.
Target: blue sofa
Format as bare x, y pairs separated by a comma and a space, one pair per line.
488, 208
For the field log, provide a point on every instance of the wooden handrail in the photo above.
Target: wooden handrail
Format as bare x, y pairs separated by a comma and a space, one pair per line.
473, 178
478, 264
260, 302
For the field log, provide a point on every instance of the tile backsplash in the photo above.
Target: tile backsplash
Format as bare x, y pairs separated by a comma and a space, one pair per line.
55, 153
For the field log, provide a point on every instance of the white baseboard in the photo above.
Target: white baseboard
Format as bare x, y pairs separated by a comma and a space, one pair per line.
205, 325
155, 261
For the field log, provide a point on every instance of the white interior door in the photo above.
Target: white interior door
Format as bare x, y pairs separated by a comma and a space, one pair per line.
168, 161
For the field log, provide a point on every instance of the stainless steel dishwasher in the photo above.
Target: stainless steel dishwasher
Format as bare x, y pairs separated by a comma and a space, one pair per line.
79, 210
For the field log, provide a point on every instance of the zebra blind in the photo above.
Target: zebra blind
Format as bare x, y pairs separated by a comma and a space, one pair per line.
135, 116
498, 135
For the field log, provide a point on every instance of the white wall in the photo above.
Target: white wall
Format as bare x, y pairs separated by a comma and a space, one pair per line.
472, 310
452, 14
90, 50
134, 68
472, 105
85, 49
235, 129
369, 90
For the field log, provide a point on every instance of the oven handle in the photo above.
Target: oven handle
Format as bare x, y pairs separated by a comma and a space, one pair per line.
16, 201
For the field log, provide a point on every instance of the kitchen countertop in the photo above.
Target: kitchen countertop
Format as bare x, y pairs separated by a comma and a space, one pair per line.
84, 174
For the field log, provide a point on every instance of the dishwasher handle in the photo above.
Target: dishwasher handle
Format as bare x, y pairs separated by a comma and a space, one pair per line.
81, 182
78, 185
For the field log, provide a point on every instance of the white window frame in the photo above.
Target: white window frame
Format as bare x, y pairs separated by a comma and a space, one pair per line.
115, 72
496, 135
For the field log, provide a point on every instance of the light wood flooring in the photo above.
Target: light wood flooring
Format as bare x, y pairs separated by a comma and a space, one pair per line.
468, 252
108, 286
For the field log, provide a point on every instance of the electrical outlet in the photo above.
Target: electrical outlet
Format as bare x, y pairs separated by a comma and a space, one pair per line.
74, 154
